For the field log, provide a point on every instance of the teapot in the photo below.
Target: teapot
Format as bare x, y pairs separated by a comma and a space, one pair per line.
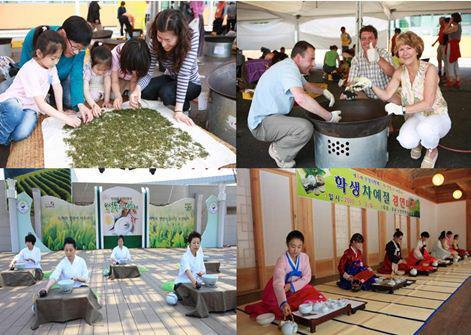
289, 327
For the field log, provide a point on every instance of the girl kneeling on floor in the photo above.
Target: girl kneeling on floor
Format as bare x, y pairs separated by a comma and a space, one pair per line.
70, 267
351, 265
393, 262
289, 287
131, 61
25, 98
97, 77
192, 267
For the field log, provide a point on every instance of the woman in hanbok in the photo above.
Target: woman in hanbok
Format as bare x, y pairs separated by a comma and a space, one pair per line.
70, 267
455, 246
419, 257
120, 253
447, 244
289, 287
30, 256
352, 269
440, 249
192, 267
393, 261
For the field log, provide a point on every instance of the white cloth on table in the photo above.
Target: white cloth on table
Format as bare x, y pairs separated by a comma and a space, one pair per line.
34, 254
192, 263
55, 149
120, 254
67, 270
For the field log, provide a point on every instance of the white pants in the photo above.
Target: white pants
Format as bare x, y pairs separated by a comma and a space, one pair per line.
426, 130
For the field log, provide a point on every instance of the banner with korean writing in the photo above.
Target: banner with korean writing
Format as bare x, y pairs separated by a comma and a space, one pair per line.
352, 188
61, 219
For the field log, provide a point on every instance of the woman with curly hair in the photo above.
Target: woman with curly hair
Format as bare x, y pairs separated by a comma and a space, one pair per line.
174, 45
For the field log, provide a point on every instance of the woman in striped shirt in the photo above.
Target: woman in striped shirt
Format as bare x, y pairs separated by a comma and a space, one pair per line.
175, 45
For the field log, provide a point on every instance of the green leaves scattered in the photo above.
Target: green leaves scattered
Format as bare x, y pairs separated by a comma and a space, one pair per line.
131, 138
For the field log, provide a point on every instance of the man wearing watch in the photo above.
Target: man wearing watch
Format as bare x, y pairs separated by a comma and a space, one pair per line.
371, 62
277, 90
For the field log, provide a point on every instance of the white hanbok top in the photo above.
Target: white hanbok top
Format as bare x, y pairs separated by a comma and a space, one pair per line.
67, 270
120, 254
440, 252
34, 254
417, 252
192, 263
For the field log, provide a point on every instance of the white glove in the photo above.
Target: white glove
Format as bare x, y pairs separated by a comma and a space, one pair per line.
372, 54
329, 96
359, 84
392, 108
336, 117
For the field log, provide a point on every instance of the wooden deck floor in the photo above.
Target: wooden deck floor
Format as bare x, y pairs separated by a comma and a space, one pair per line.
130, 306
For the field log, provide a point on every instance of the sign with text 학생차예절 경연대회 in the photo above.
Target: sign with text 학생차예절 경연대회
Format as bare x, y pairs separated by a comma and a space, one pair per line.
352, 188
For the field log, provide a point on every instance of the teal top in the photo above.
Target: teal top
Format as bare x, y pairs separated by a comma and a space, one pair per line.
72, 66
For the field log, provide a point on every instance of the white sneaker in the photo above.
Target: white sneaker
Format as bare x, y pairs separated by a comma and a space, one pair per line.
281, 164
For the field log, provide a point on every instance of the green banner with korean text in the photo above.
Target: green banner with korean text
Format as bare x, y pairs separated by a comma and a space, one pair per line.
352, 188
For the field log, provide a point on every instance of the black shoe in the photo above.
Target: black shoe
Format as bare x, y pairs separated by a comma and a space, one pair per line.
4, 153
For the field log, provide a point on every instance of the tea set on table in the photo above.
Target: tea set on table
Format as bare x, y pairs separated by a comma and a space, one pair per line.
289, 327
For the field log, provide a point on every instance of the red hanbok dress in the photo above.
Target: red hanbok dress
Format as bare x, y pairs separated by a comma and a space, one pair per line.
352, 264
298, 275
460, 252
392, 258
420, 259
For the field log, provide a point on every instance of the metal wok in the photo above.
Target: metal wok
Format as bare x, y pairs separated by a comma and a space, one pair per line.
360, 118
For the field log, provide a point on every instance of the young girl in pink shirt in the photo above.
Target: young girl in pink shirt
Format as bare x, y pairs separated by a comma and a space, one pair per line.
25, 98
97, 77
290, 285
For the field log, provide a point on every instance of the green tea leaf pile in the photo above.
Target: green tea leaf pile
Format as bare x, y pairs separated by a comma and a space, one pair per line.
131, 138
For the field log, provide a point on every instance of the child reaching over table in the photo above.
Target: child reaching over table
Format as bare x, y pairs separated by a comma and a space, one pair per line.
70, 267
25, 98
97, 78
192, 266
289, 287
131, 61
31, 256
351, 266
120, 253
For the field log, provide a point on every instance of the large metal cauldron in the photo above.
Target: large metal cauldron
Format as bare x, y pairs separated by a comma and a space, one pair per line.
359, 140
218, 46
222, 111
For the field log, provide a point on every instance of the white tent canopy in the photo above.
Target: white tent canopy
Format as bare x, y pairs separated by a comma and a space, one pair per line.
281, 23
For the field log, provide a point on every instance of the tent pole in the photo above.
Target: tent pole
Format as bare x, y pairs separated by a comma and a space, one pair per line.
359, 24
296, 31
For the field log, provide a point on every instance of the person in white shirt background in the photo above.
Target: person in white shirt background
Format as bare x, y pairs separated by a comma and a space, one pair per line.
192, 267
120, 253
70, 267
30, 256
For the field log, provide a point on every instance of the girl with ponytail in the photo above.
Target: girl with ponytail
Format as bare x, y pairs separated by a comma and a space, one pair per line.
97, 77
26, 97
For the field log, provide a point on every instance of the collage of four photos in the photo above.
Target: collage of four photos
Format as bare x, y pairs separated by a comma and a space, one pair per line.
235, 167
